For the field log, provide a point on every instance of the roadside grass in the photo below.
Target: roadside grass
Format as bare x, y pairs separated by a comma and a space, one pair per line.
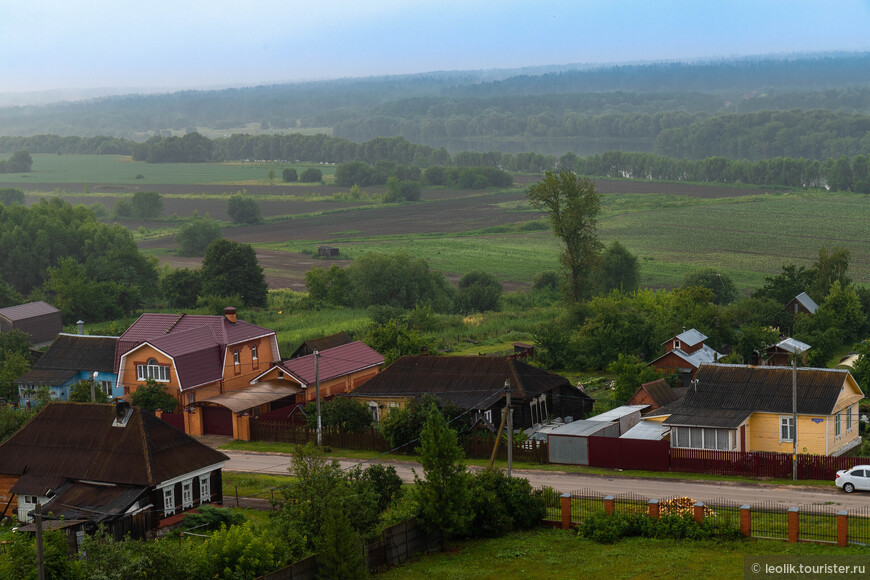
362, 455
253, 484
551, 553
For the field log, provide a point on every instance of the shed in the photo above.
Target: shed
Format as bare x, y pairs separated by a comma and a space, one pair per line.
627, 416
40, 320
569, 444
327, 251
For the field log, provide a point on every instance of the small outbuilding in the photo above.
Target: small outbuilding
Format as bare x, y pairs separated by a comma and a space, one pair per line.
569, 444
40, 320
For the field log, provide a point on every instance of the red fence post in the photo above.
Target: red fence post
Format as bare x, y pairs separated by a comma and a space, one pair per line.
609, 505
842, 528
653, 507
746, 520
565, 501
793, 524
698, 512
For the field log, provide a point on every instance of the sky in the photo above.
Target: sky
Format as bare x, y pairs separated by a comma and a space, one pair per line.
190, 44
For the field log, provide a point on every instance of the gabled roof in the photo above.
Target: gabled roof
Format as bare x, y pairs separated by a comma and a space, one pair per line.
470, 382
334, 362
151, 326
29, 310
321, 344
703, 355
79, 353
689, 337
807, 302
791, 345
617, 413
199, 358
726, 395
77, 441
659, 391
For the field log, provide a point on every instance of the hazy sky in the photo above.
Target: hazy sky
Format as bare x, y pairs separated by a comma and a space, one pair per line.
62, 44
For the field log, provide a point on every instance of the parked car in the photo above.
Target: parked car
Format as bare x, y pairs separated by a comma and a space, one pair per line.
857, 477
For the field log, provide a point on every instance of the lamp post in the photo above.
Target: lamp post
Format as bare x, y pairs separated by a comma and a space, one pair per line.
94, 387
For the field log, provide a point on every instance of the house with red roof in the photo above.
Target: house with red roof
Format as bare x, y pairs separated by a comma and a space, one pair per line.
207, 363
339, 370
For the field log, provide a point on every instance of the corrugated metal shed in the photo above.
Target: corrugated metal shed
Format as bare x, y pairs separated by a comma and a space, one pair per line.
568, 444
649, 430
586, 428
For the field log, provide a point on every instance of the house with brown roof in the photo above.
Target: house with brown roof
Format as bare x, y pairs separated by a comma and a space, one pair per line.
71, 358
207, 363
321, 344
655, 394
338, 370
40, 320
89, 464
477, 384
749, 408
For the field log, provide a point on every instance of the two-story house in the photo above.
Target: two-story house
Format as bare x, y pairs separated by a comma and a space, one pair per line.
685, 353
206, 362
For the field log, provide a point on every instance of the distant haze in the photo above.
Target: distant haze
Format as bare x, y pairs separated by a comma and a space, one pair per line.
95, 47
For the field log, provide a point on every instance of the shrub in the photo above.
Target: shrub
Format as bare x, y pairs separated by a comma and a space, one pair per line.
608, 529
244, 210
311, 175
194, 237
502, 504
289, 175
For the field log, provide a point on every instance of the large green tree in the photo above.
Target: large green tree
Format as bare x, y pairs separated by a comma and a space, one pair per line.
619, 269
230, 268
572, 205
194, 237
724, 290
181, 288
397, 280
147, 204
478, 291
244, 210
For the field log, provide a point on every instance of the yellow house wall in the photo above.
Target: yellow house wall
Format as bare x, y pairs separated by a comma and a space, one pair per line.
384, 404
656, 419
763, 433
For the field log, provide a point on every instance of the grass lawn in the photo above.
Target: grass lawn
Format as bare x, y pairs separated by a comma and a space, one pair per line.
549, 553
253, 484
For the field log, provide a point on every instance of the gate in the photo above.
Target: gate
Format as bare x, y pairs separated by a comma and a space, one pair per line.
217, 421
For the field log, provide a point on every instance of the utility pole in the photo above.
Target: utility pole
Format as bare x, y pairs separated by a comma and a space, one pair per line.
40, 565
794, 414
317, 388
510, 426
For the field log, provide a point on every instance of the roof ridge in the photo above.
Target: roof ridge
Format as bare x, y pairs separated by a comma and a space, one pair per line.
174, 324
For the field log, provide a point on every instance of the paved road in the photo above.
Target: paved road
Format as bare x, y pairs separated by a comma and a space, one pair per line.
751, 493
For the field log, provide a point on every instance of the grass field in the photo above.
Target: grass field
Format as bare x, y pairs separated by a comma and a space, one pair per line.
97, 169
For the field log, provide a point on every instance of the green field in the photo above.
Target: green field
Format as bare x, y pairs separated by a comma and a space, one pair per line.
119, 169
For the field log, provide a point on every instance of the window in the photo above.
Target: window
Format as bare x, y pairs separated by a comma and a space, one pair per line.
254, 352
786, 428
542, 408
837, 429
373, 409
488, 415
205, 488
677, 344
168, 501
849, 419
280, 374
236, 357
106, 387
704, 438
152, 370
187, 494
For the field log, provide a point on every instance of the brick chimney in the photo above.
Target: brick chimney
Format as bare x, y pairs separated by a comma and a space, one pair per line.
230, 313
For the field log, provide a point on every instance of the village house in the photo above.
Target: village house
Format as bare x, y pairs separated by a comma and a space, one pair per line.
781, 353
40, 320
71, 358
475, 383
113, 465
685, 353
321, 344
207, 363
655, 394
748, 408
802, 304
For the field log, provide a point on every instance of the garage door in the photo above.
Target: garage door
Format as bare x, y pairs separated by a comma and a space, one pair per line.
217, 421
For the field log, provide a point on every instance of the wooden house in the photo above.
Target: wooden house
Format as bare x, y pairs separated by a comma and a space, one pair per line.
685, 353
321, 344
40, 320
802, 304
781, 353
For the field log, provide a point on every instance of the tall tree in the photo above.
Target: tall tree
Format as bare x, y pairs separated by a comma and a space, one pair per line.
724, 290
619, 269
147, 204
230, 268
573, 205
830, 267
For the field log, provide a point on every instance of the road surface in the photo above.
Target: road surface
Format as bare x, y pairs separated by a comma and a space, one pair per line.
708, 492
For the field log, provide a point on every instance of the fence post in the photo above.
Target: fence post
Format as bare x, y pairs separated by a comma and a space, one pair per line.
565, 502
793, 524
746, 520
653, 509
608, 504
842, 528
698, 512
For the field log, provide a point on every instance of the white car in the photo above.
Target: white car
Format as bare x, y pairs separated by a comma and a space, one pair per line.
857, 477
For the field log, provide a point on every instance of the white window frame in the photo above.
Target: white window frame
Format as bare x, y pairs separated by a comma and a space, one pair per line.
254, 351
488, 415
152, 370
708, 438
788, 422
373, 409
677, 344
848, 418
187, 494
205, 488
542, 402
169, 500
236, 358
838, 427
106, 386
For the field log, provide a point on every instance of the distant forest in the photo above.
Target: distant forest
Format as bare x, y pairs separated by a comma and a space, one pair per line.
808, 107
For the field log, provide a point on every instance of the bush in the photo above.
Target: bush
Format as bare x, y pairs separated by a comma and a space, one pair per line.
289, 175
608, 529
147, 205
10, 195
194, 237
502, 504
311, 175
244, 210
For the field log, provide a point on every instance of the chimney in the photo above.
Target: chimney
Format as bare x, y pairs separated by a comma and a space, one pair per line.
230, 313
81, 326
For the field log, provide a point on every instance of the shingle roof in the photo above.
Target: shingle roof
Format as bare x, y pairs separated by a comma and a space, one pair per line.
726, 395
49, 377
78, 441
334, 362
29, 310
470, 382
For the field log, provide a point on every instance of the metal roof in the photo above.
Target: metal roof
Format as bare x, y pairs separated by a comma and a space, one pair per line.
29, 310
617, 413
261, 393
581, 428
691, 337
793, 345
334, 362
649, 430
807, 302
78, 441
321, 344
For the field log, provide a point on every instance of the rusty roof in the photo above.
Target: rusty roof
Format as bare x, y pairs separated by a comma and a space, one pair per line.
29, 310
334, 362
471, 382
725, 395
78, 441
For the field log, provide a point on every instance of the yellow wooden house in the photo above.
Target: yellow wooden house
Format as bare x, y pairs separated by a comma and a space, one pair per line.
748, 408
